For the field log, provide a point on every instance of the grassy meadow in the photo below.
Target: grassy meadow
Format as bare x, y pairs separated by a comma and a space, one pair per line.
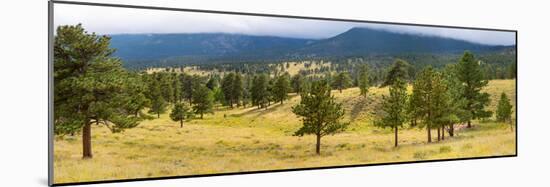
252, 139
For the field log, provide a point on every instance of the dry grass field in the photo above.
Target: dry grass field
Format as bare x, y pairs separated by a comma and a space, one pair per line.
251, 139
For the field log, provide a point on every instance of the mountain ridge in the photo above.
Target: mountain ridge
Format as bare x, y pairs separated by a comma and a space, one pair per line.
357, 41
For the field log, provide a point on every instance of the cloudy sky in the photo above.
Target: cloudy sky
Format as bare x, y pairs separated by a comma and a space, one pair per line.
111, 20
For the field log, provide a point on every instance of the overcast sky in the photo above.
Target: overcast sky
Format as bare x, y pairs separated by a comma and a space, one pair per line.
111, 20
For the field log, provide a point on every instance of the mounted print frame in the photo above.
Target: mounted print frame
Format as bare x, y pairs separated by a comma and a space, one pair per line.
147, 93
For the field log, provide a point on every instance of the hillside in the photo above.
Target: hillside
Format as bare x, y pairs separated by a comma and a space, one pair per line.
249, 139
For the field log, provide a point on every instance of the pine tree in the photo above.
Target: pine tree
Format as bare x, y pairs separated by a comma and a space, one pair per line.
188, 83
203, 100
177, 88
158, 104
504, 109
227, 88
399, 70
394, 108
423, 101
166, 86
342, 81
457, 103
473, 79
136, 97
179, 113
259, 91
363, 80
282, 87
237, 90
91, 86
297, 83
320, 113
213, 82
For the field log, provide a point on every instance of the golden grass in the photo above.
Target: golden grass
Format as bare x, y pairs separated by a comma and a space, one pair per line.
251, 139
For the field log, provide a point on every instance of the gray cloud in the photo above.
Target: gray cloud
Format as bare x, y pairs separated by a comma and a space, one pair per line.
111, 20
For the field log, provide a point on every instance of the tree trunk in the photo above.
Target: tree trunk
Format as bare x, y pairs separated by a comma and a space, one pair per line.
396, 136
443, 133
438, 134
452, 130
87, 141
158, 115
511, 125
318, 146
201, 115
429, 134
181, 123
469, 124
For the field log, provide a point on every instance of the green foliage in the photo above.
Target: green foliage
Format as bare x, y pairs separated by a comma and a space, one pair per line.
158, 104
237, 89
394, 106
455, 89
473, 79
342, 81
179, 113
320, 113
430, 100
399, 70
227, 88
177, 87
281, 89
259, 91
363, 80
504, 108
297, 83
213, 82
203, 100
91, 87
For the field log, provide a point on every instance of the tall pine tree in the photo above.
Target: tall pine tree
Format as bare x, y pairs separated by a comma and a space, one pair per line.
363, 80
320, 113
90, 86
394, 107
473, 79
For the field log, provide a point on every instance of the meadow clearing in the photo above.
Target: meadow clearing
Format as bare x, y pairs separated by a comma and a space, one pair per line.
252, 139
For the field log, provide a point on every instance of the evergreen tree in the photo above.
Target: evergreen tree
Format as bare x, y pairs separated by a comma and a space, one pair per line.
399, 70
363, 80
472, 77
320, 113
187, 86
504, 109
457, 103
177, 88
259, 91
136, 97
237, 90
227, 88
422, 99
179, 113
218, 95
213, 82
342, 81
282, 87
297, 83
203, 100
394, 108
166, 86
91, 86
158, 104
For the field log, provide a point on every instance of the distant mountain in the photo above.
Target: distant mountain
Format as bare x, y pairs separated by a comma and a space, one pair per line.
209, 45
222, 47
361, 41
